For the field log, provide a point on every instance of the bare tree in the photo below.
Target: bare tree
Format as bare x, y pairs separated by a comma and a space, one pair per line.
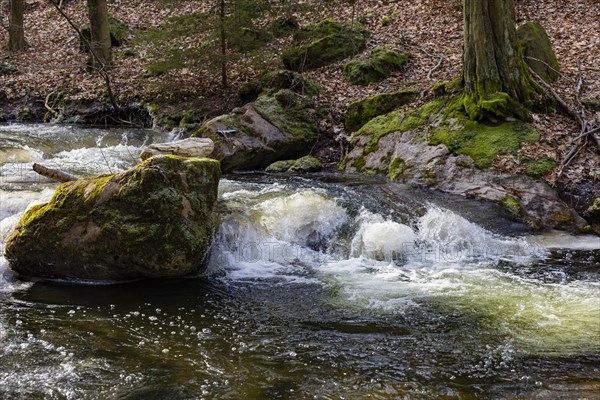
16, 32
100, 33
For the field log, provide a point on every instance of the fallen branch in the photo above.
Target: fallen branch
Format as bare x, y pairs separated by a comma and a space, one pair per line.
587, 130
48, 107
437, 66
54, 174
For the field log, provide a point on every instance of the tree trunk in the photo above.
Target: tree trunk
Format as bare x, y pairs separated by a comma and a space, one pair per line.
496, 80
100, 33
16, 33
223, 40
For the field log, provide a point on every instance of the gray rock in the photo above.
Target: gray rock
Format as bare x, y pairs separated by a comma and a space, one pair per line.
304, 164
407, 157
190, 147
255, 135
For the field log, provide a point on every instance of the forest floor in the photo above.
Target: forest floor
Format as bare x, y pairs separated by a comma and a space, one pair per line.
430, 30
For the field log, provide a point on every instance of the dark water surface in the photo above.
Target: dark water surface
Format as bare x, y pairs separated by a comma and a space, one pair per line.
328, 287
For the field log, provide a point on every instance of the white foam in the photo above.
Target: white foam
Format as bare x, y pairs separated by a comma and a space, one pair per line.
301, 216
381, 239
453, 237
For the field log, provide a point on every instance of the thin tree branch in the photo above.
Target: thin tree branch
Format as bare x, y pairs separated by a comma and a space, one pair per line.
102, 69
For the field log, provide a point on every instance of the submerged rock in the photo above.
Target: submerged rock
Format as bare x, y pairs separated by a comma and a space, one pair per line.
272, 128
153, 220
323, 44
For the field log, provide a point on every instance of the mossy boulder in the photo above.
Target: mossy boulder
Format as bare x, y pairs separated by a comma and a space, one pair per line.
591, 104
247, 39
274, 81
303, 164
285, 26
541, 167
6, 69
381, 63
482, 141
154, 220
276, 127
537, 50
362, 111
119, 32
437, 146
593, 216
322, 44
26, 114
280, 166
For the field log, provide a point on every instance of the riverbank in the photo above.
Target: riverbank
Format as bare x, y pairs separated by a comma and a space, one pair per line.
51, 77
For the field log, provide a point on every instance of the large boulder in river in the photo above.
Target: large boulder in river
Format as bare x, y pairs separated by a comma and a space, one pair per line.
153, 220
278, 127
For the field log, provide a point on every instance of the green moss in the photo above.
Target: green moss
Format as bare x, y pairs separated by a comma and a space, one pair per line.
26, 114
447, 88
397, 121
246, 39
285, 25
513, 206
537, 46
481, 141
390, 59
386, 21
591, 104
430, 176
273, 81
541, 167
362, 111
294, 119
161, 67
306, 164
359, 164
381, 63
593, 216
363, 72
399, 169
323, 44
280, 166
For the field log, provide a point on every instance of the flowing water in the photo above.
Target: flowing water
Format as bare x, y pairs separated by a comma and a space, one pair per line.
325, 287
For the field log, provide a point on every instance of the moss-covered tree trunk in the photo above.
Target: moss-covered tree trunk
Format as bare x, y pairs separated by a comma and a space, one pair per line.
16, 32
100, 33
496, 80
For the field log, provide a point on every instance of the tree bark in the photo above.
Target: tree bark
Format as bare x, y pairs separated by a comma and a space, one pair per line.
495, 77
100, 33
223, 43
16, 32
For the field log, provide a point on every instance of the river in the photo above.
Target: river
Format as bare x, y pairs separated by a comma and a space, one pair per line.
325, 286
